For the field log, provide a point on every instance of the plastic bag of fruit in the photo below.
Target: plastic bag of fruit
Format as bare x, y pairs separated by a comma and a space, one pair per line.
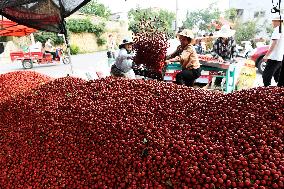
247, 76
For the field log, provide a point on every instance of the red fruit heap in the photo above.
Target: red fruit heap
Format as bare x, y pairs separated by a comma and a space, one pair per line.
15, 83
151, 46
209, 59
141, 134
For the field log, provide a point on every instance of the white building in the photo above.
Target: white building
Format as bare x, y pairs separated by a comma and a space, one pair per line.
260, 11
252, 9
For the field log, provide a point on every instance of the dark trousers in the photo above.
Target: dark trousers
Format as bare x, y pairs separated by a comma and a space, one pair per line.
187, 77
281, 76
110, 54
272, 69
52, 53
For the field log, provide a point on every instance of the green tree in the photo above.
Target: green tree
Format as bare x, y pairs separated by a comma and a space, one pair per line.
162, 17
42, 37
202, 18
268, 27
85, 25
231, 14
95, 8
246, 31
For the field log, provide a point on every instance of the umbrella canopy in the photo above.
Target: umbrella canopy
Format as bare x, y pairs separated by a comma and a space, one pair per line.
9, 28
45, 15
220, 22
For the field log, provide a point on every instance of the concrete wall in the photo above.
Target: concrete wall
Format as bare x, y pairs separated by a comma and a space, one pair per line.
87, 42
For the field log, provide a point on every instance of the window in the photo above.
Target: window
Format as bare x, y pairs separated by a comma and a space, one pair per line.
240, 12
259, 14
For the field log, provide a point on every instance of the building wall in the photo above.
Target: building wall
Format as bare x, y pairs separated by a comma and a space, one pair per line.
259, 11
252, 7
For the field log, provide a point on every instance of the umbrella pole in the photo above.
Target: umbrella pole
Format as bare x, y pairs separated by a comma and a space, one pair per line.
69, 53
66, 40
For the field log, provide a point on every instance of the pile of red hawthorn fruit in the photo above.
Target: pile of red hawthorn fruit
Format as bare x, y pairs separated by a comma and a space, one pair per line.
118, 133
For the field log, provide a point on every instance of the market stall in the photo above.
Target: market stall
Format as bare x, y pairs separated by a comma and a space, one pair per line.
10, 28
210, 70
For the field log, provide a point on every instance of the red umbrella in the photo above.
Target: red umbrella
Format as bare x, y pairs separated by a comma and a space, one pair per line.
10, 28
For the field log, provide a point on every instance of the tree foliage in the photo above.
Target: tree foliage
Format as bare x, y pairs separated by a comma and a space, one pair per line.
95, 8
231, 15
85, 25
162, 17
42, 37
202, 18
246, 31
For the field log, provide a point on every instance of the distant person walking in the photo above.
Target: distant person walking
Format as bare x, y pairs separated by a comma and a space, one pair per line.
274, 55
111, 45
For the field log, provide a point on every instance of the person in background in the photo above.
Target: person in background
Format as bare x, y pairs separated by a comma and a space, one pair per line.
274, 55
187, 56
198, 46
48, 48
202, 43
124, 61
111, 45
225, 45
209, 42
37, 47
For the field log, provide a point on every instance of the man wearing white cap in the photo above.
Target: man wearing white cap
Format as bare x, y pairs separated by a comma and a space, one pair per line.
274, 55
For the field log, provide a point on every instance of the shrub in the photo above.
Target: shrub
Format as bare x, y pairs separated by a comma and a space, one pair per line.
74, 49
101, 41
43, 36
96, 8
85, 25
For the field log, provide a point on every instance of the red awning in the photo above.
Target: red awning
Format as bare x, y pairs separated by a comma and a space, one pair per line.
9, 28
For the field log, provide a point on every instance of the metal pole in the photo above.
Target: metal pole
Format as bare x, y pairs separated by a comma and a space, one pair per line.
65, 34
66, 40
280, 27
177, 9
68, 51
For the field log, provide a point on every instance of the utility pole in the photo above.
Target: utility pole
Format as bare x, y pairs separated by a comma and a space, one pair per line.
177, 9
277, 9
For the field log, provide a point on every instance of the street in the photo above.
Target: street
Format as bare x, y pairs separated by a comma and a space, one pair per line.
81, 64
84, 66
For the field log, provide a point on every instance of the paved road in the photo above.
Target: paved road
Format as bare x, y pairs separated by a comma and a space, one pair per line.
81, 64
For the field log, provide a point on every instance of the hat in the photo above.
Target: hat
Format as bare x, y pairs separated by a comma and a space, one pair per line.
186, 33
125, 41
277, 18
225, 31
